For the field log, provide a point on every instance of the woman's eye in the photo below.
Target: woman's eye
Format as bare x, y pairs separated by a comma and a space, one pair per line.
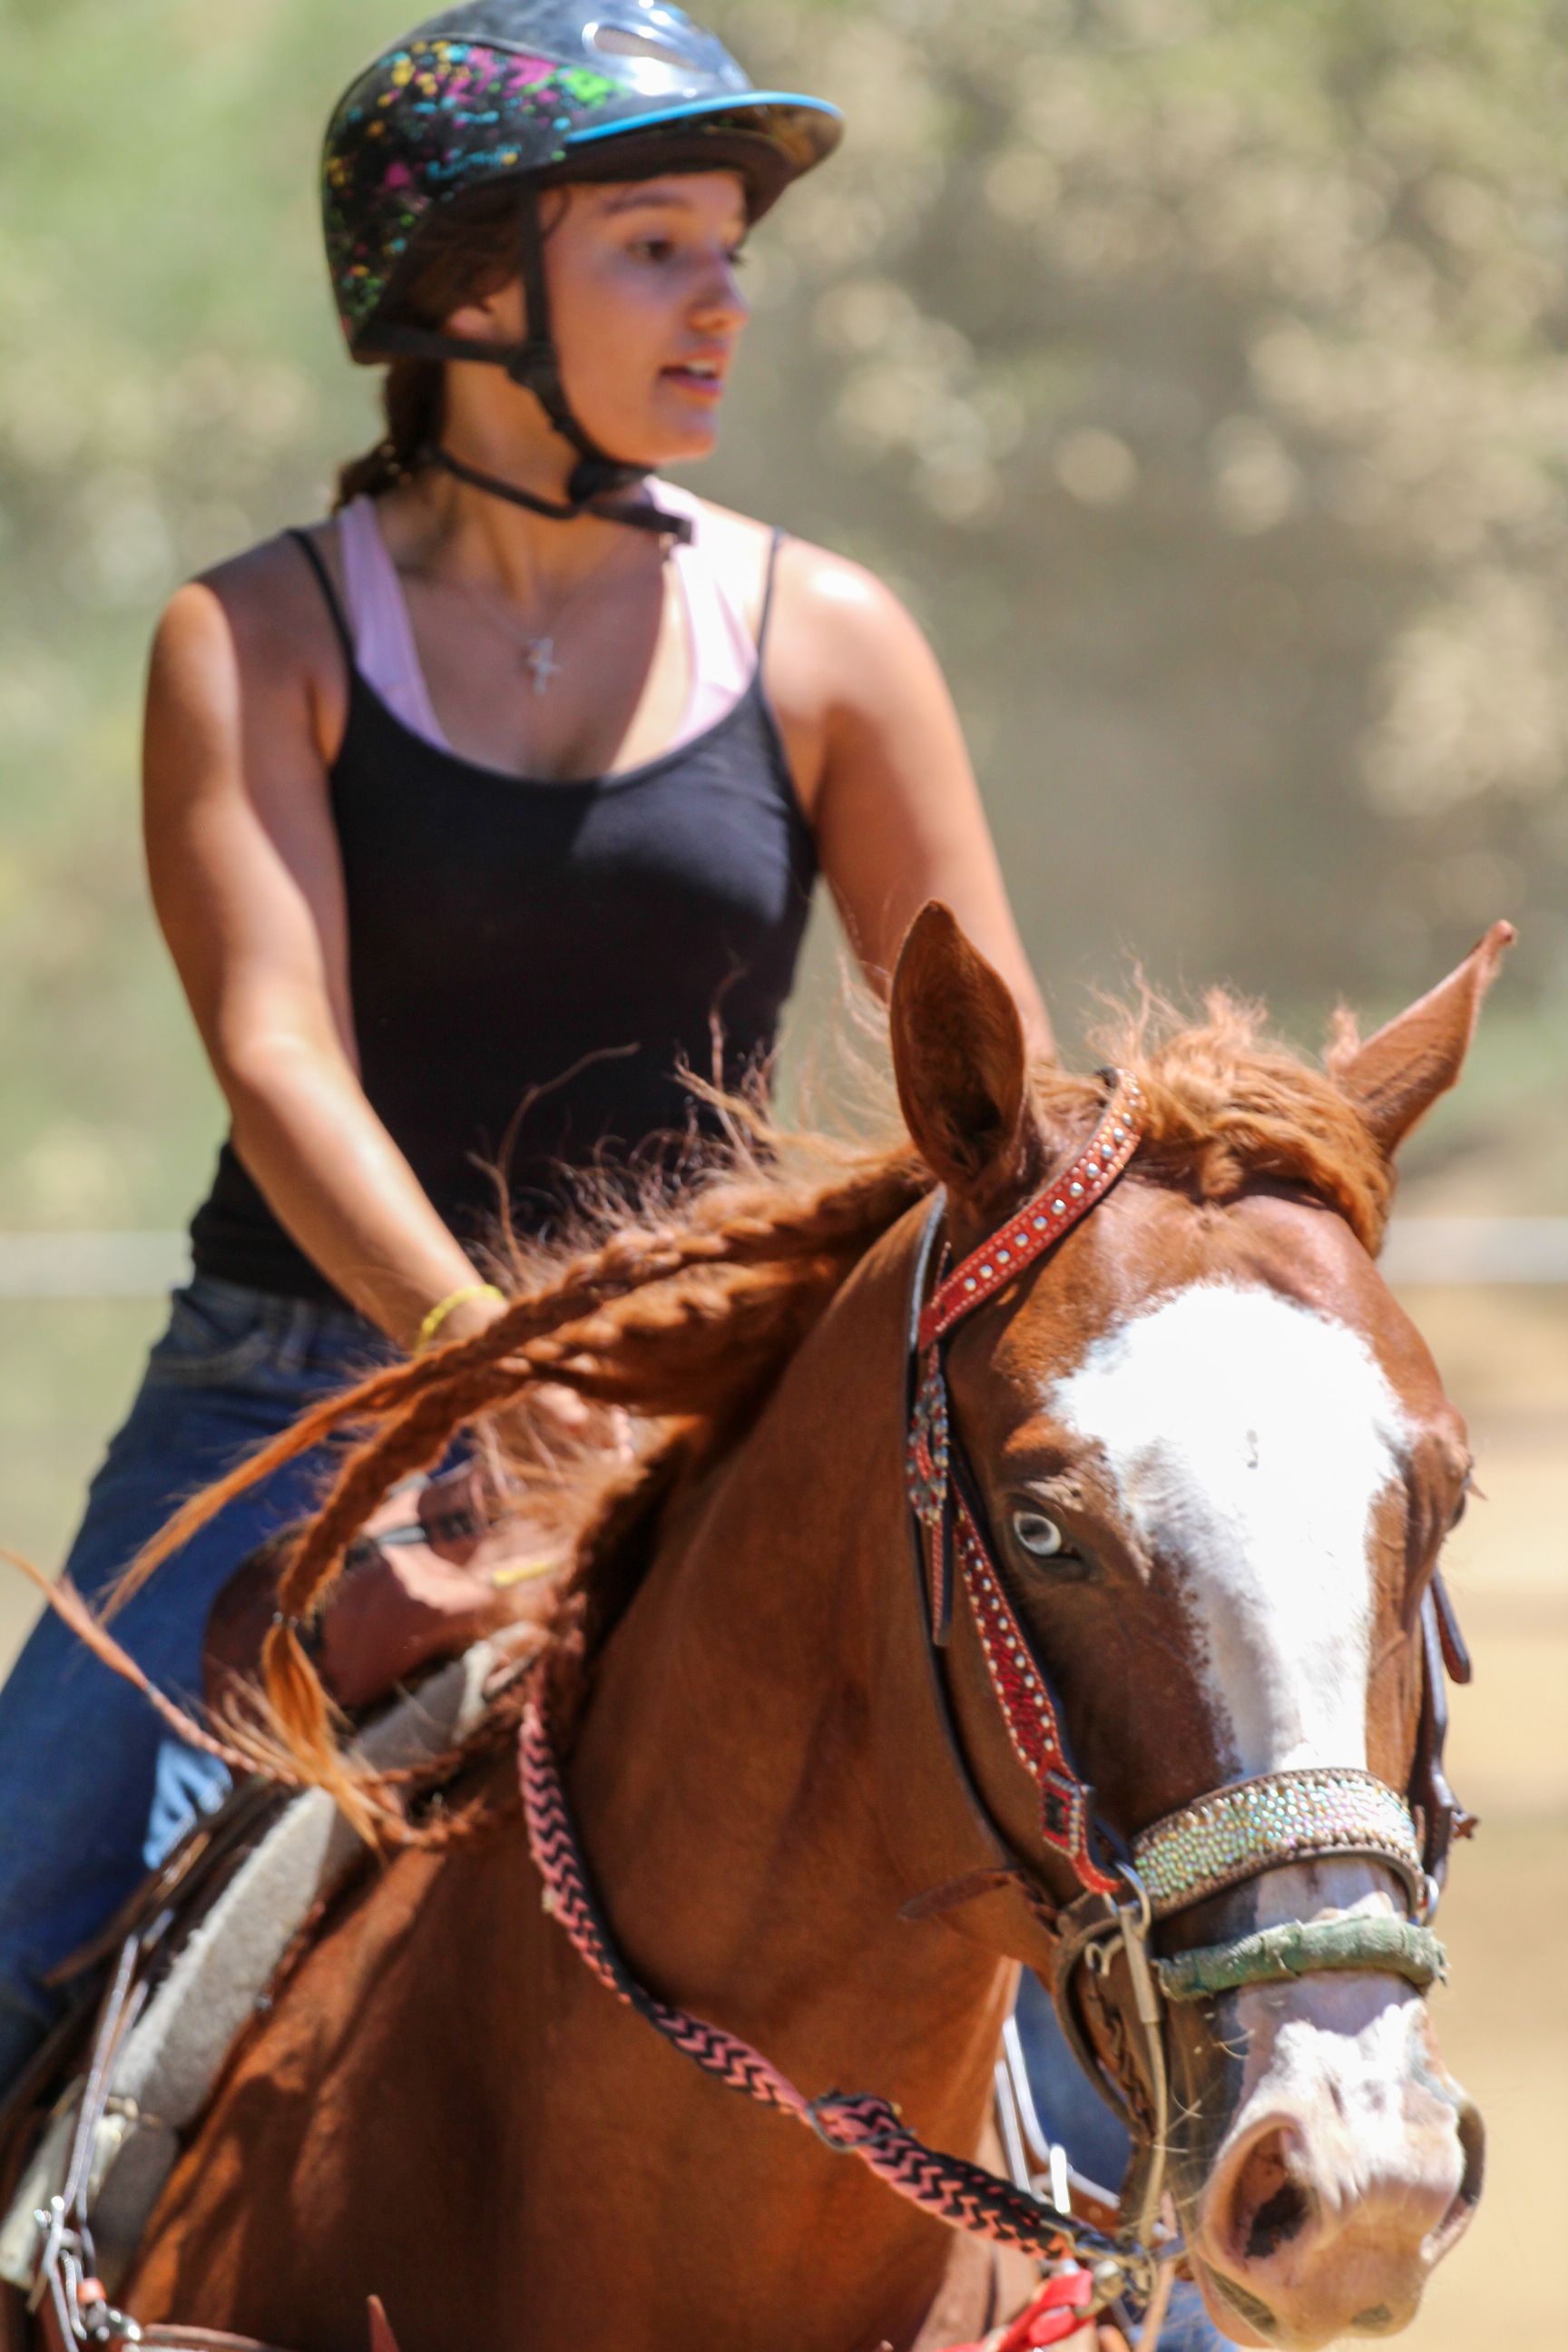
653, 249
1040, 1537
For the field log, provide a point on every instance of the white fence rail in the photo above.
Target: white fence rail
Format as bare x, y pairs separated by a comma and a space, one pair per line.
1477, 1250
1439, 1250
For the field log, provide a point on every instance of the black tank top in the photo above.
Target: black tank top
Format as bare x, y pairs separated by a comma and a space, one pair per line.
529, 964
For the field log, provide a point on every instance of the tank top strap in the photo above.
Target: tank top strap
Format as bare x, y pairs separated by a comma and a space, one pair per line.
312, 556
774, 543
721, 648
384, 650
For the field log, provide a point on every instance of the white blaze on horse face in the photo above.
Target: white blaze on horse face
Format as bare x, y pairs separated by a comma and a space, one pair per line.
1249, 1438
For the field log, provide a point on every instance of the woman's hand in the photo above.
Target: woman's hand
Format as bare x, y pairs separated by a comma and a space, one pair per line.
457, 1560
395, 1610
548, 1414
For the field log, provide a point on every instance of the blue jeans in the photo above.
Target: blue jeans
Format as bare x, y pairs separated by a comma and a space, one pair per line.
92, 1791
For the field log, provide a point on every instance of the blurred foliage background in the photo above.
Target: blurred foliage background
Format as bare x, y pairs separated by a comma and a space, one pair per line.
1195, 368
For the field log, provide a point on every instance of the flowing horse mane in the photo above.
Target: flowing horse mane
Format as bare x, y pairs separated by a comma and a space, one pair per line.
684, 1309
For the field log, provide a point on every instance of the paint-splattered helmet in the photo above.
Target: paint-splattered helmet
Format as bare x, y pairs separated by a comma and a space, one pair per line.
535, 91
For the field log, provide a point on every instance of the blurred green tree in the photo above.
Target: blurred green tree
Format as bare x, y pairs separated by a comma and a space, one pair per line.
1194, 367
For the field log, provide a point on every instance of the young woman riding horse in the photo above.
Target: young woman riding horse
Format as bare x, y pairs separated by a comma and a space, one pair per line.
1158, 1715
492, 812
468, 815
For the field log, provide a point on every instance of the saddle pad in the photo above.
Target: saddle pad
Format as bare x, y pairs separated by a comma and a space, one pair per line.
171, 2059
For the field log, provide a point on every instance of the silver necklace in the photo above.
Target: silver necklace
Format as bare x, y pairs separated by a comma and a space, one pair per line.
538, 652
538, 649
538, 660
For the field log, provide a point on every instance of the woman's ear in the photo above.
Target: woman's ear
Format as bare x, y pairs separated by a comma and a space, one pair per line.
962, 1066
493, 318
1395, 1078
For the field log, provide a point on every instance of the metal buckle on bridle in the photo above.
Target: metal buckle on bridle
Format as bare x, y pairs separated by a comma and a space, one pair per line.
1127, 1931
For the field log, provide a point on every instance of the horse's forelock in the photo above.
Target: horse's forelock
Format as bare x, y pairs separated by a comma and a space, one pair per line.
1224, 1105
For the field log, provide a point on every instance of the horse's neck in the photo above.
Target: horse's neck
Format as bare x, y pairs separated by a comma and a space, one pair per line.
755, 1782
759, 1725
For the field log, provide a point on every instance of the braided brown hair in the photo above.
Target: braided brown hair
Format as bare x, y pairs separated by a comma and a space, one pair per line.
684, 1314
687, 1313
467, 248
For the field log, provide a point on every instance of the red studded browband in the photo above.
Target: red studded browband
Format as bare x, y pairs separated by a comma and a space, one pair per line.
1054, 1211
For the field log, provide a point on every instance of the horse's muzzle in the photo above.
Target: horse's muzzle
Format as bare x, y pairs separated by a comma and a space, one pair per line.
1351, 2165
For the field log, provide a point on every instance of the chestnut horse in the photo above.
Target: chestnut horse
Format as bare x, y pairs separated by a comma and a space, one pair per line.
1218, 1467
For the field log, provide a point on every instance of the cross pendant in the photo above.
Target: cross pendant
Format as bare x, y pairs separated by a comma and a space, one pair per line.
542, 663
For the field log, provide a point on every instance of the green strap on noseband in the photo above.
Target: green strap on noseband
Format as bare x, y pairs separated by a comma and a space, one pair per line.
1307, 1948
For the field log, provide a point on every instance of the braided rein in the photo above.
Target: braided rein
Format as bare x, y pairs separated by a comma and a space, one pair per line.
964, 2195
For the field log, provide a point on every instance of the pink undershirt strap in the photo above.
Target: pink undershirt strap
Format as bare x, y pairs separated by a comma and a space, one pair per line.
724, 656
384, 650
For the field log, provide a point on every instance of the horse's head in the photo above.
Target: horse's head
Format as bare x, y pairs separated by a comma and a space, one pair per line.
1216, 1466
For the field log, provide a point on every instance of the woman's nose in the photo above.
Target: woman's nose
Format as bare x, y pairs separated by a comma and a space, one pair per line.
721, 305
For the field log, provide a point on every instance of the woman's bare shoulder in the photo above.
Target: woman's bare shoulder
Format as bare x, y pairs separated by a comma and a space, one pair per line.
820, 594
717, 521
736, 544
256, 624
270, 594
834, 589
846, 643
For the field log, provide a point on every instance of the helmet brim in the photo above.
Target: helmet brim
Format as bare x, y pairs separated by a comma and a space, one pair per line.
771, 138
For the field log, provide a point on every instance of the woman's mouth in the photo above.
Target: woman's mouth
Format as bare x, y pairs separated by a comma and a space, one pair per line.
698, 379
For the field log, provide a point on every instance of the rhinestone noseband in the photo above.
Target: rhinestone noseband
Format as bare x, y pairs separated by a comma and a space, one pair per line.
1264, 1824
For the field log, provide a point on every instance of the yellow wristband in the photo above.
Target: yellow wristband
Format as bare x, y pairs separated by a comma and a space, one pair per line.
432, 1324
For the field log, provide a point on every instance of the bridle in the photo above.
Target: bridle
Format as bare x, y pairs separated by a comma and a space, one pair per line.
1126, 1887
1223, 1839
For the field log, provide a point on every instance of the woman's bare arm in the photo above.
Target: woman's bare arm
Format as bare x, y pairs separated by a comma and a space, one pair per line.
248, 889
892, 796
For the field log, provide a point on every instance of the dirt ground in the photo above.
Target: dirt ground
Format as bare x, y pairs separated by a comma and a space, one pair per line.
64, 1372
1502, 2020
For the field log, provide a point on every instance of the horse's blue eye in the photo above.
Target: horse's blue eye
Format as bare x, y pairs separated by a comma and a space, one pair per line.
1040, 1536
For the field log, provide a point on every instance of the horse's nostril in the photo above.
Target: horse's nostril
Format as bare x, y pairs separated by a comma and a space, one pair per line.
1268, 2205
1473, 2140
1277, 2222
1473, 2146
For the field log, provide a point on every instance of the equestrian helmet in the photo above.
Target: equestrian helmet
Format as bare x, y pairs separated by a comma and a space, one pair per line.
537, 90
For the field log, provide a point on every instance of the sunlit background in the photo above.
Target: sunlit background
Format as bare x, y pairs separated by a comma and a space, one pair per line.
1197, 371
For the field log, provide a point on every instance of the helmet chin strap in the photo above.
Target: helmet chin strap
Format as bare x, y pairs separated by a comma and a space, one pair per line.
642, 516
597, 478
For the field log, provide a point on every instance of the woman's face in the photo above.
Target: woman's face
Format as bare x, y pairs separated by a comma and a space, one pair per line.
646, 309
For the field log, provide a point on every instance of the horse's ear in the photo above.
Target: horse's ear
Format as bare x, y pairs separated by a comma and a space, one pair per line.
1395, 1078
961, 1063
